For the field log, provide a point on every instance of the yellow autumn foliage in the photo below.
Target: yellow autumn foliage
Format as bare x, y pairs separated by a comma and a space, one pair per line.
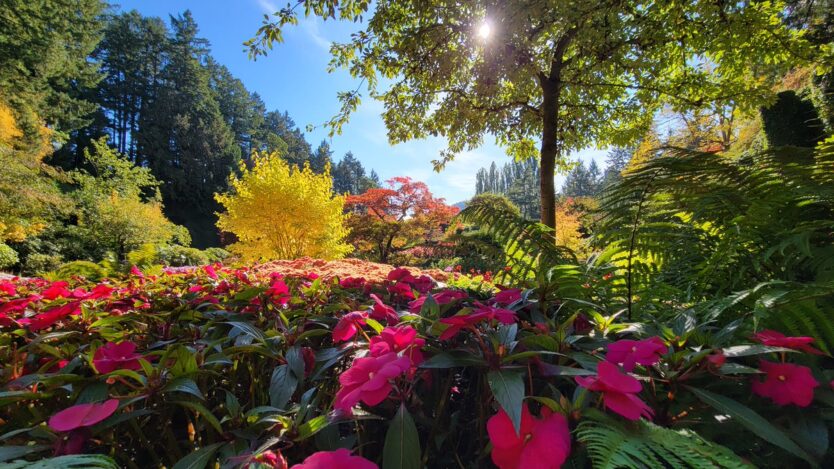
278, 211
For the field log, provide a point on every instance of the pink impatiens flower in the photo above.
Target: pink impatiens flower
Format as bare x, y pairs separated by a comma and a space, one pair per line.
443, 298
112, 356
399, 339
82, 415
630, 353
777, 339
383, 312
341, 459
349, 325
352, 282
505, 297
368, 380
785, 383
543, 443
278, 291
50, 317
619, 391
483, 313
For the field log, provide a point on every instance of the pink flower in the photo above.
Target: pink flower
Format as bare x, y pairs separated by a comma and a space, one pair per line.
543, 443
210, 272
341, 459
786, 383
278, 291
368, 380
349, 325
483, 313
112, 356
352, 282
422, 284
269, 459
136, 272
381, 312
57, 290
48, 318
442, 298
777, 339
82, 415
629, 353
717, 358
619, 391
8, 288
100, 291
402, 290
505, 297
399, 339
400, 275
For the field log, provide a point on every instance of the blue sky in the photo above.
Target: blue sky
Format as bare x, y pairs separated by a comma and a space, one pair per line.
294, 78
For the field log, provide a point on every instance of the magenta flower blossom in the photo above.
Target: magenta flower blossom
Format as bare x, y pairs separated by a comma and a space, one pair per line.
443, 298
383, 312
278, 291
619, 391
352, 282
341, 459
369, 380
112, 356
630, 353
349, 325
785, 383
483, 313
542, 443
505, 297
48, 318
777, 339
399, 339
82, 415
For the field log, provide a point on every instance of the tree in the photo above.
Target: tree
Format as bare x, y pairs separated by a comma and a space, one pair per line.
278, 211
385, 221
349, 176
616, 161
119, 206
566, 74
44, 66
582, 181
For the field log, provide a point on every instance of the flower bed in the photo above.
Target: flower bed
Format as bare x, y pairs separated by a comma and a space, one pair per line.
255, 368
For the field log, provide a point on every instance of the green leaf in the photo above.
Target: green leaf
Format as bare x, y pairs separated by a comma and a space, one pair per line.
453, 360
752, 421
402, 443
248, 329
198, 459
375, 325
747, 350
205, 413
11, 452
282, 386
508, 388
311, 427
183, 384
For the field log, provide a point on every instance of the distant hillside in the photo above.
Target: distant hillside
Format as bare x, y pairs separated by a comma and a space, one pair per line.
461, 205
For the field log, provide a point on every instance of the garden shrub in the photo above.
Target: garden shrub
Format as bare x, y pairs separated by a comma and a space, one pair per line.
250, 367
179, 256
38, 263
86, 269
8, 256
217, 254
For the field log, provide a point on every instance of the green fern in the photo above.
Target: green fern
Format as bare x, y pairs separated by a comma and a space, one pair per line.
76, 461
612, 444
528, 246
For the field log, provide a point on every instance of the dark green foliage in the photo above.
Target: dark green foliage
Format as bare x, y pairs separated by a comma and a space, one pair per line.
44, 71
8, 256
792, 120
349, 176
583, 182
89, 270
612, 444
519, 181
528, 247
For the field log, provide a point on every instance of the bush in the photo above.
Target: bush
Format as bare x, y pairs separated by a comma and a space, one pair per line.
8, 256
240, 359
38, 263
217, 254
179, 256
86, 269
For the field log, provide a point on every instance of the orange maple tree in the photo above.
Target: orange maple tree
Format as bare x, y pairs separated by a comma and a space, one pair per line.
385, 221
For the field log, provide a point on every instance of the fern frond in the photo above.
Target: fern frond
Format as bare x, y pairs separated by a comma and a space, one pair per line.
612, 444
75, 461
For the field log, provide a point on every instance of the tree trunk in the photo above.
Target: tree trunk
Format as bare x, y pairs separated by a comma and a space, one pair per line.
549, 150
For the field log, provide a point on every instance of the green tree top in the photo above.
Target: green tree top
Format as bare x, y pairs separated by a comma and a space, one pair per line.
560, 76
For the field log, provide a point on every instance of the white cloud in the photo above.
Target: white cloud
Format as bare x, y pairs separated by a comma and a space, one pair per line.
268, 6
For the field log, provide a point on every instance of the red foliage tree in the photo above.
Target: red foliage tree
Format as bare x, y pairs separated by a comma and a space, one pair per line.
388, 220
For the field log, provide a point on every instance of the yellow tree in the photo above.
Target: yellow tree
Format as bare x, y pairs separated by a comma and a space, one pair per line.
278, 211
